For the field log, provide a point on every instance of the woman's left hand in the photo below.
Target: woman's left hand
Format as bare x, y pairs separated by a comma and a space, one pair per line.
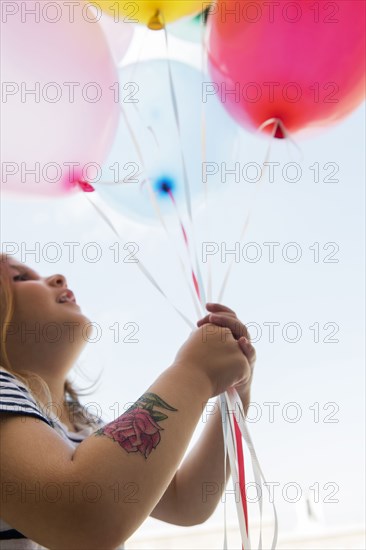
225, 317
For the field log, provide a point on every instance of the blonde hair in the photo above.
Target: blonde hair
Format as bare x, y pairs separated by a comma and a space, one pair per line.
71, 393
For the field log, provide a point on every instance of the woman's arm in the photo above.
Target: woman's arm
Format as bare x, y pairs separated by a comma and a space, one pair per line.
205, 366
109, 484
198, 485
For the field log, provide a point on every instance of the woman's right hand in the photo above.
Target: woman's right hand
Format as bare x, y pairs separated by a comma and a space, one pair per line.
212, 351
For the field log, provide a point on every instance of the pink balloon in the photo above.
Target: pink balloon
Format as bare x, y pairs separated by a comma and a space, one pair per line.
118, 34
60, 106
301, 62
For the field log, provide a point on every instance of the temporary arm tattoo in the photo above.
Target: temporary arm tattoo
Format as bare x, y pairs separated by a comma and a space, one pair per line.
138, 429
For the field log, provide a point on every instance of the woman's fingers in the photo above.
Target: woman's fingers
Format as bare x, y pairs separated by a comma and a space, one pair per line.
226, 317
218, 308
215, 308
211, 316
203, 321
224, 320
248, 349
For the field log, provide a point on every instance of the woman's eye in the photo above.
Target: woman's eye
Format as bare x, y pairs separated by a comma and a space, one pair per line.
20, 277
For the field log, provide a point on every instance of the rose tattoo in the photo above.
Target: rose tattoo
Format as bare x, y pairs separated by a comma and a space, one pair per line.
137, 430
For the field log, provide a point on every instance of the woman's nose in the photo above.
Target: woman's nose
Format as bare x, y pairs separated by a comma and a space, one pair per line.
57, 280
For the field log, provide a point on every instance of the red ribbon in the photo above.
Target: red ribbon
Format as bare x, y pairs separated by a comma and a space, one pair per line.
241, 469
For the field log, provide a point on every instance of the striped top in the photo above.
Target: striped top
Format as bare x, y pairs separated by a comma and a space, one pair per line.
15, 398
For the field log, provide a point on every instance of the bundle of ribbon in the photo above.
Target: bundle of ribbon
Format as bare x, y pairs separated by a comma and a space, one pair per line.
234, 429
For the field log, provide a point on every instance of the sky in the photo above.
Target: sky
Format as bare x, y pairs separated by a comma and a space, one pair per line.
306, 317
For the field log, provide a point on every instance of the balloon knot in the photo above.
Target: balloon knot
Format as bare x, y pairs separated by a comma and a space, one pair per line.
279, 132
85, 186
156, 23
165, 186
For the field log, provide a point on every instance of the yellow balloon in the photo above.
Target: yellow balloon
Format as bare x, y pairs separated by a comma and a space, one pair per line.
154, 14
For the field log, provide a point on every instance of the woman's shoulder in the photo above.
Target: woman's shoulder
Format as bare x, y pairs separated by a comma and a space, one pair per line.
7, 375
16, 398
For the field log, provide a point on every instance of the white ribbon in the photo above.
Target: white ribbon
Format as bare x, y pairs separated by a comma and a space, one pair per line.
231, 402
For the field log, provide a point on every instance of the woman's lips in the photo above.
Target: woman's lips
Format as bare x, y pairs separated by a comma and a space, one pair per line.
66, 297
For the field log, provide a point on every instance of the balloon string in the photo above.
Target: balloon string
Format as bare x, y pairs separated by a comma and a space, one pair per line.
158, 213
204, 152
234, 402
182, 264
185, 238
139, 264
224, 430
240, 475
239, 446
131, 76
232, 452
185, 173
87, 189
151, 193
177, 122
248, 217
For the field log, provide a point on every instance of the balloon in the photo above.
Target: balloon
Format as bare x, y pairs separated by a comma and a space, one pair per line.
146, 12
58, 111
190, 29
300, 62
118, 35
152, 121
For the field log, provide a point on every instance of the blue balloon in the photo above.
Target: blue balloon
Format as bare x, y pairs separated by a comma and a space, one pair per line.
149, 148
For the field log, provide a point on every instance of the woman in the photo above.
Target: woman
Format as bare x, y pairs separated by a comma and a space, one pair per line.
71, 483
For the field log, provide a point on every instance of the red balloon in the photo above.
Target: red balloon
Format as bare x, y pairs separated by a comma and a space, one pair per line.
301, 62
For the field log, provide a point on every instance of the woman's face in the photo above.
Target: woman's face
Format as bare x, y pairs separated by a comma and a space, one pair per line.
43, 303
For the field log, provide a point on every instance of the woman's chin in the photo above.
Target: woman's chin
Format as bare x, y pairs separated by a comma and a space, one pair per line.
88, 329
78, 319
